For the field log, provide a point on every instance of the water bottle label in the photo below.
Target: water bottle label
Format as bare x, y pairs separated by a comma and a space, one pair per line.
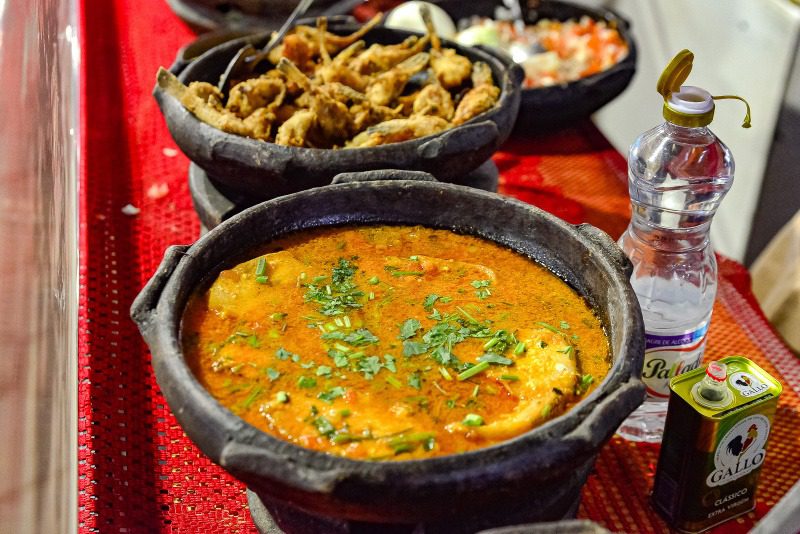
668, 356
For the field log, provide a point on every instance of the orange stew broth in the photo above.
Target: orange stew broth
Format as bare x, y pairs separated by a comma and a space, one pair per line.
392, 342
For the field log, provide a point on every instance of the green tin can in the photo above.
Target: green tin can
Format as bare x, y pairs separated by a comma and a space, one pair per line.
714, 444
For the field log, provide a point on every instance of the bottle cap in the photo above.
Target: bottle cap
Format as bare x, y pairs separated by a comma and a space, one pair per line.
686, 105
717, 372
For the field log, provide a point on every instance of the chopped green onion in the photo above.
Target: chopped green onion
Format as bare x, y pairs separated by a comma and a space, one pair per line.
282, 397
261, 266
475, 392
519, 349
491, 343
445, 373
341, 347
472, 419
277, 316
394, 271
346, 321
330, 327
549, 327
374, 280
345, 413
262, 279
490, 357
371, 295
392, 381
465, 314
510, 378
474, 370
251, 398
338, 322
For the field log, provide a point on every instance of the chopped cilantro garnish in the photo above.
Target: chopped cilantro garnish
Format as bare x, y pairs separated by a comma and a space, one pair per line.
412, 348
339, 358
332, 393
414, 381
340, 294
272, 374
283, 354
358, 337
369, 366
409, 328
482, 288
306, 382
323, 426
564, 325
324, 370
388, 363
431, 299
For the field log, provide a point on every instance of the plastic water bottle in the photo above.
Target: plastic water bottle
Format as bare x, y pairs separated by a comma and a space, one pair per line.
678, 173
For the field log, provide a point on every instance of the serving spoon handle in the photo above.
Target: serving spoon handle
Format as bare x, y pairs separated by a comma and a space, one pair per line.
247, 58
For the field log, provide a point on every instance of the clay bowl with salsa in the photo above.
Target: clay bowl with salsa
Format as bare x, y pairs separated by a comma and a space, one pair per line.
259, 170
394, 300
547, 107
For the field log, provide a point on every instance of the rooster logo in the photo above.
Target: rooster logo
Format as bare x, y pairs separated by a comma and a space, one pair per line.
744, 381
737, 447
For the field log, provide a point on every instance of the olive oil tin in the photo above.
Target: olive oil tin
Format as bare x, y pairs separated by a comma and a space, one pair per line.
711, 457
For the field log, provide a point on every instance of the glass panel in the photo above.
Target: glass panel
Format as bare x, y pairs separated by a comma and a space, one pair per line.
39, 60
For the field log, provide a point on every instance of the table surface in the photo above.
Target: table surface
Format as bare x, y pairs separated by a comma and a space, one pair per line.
138, 471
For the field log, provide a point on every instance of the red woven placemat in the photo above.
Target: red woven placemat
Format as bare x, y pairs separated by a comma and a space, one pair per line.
138, 471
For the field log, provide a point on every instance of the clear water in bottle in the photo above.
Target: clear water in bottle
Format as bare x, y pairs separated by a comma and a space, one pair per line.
678, 176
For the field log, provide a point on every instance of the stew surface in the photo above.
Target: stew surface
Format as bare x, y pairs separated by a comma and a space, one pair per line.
392, 342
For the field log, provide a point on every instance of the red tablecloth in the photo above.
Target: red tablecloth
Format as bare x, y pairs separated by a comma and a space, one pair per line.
138, 471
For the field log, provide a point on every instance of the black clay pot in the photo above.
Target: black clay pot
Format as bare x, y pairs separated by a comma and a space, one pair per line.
534, 477
548, 108
252, 15
261, 170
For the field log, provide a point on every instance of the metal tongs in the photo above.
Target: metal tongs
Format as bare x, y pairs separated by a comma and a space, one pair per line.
244, 63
